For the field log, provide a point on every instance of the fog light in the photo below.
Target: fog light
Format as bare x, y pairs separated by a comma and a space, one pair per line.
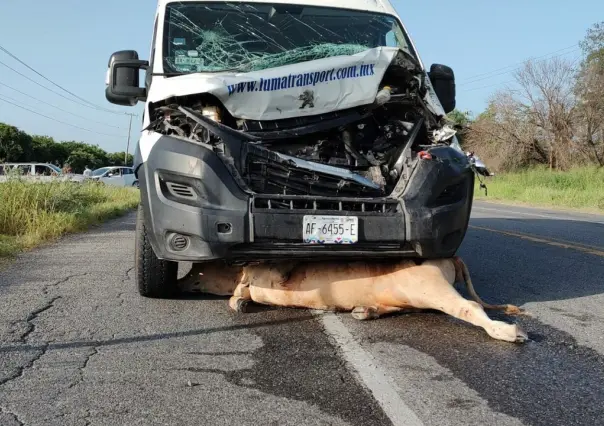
179, 242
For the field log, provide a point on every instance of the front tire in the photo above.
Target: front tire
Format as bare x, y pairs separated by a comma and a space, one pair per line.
155, 278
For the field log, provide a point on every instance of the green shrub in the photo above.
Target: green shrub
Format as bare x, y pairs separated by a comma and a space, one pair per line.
31, 213
581, 188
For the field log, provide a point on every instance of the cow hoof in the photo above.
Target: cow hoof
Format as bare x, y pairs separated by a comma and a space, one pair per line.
243, 306
240, 305
521, 335
362, 313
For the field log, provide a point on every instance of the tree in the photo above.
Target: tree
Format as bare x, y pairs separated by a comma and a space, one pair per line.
15, 145
534, 123
504, 137
593, 44
98, 157
461, 122
589, 90
79, 159
117, 159
546, 94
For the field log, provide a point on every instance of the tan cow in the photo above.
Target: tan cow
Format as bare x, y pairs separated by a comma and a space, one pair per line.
368, 290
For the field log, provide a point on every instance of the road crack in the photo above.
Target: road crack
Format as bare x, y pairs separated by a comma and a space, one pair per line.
21, 370
94, 351
10, 414
128, 276
62, 281
31, 327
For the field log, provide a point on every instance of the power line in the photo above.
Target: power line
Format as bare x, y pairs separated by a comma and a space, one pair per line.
514, 69
55, 84
490, 85
58, 121
517, 64
60, 109
44, 87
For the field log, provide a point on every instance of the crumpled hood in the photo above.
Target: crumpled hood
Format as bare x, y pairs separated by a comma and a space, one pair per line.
301, 89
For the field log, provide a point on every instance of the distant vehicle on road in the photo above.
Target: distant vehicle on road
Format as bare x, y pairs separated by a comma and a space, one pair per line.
116, 175
39, 172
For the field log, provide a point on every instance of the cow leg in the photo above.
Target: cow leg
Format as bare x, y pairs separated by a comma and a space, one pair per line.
473, 313
241, 299
440, 295
363, 313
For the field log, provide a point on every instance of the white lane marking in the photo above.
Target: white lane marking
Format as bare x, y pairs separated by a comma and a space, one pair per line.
515, 212
384, 391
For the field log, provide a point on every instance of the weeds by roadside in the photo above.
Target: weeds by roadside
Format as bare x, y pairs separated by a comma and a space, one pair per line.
580, 188
32, 213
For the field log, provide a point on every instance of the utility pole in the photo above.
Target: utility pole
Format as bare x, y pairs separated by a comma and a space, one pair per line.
128, 143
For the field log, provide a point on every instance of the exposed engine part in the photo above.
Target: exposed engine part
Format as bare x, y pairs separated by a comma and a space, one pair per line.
363, 151
383, 96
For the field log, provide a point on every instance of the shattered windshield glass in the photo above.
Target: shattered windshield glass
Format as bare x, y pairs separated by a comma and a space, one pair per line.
243, 37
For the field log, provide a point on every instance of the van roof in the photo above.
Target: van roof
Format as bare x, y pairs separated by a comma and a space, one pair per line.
380, 6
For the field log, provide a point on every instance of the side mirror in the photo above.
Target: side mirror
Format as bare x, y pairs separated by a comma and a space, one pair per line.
443, 81
123, 78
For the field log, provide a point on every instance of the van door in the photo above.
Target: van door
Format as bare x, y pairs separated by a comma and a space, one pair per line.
114, 177
128, 175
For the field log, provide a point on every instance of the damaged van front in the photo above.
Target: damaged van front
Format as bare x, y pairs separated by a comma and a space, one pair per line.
306, 129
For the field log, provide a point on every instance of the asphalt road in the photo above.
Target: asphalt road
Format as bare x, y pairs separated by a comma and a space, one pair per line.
78, 346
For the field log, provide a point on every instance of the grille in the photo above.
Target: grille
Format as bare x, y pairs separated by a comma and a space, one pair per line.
324, 204
288, 123
265, 176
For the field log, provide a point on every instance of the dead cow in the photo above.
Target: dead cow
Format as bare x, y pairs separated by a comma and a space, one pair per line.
368, 290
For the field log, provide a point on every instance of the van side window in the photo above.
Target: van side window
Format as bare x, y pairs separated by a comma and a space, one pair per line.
42, 170
24, 169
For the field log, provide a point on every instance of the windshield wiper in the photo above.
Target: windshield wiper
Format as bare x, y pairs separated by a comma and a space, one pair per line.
168, 74
176, 73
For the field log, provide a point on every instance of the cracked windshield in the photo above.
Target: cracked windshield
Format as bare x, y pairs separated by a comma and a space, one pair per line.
215, 37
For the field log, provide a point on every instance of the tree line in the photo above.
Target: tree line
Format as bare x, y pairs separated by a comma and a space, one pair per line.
19, 146
552, 115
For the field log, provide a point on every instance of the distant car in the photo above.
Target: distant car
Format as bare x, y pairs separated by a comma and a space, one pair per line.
116, 175
38, 172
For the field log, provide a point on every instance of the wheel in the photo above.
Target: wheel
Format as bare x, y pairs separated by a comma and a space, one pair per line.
155, 278
135, 185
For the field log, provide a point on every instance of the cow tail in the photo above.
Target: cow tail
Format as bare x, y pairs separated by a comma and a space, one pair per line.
462, 270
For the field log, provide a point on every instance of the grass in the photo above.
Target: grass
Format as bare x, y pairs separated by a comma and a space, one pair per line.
580, 188
33, 213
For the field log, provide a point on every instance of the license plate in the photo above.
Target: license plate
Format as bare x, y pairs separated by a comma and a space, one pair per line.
330, 229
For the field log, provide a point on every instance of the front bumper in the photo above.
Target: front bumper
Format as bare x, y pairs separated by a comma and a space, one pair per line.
197, 211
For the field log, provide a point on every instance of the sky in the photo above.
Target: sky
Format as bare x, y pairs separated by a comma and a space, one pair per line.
70, 42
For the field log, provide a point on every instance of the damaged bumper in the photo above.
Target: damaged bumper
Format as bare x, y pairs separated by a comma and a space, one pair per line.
196, 211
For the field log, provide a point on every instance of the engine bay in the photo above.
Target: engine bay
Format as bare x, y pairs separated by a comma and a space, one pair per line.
363, 151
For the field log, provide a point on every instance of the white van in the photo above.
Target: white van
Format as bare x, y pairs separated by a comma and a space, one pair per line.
289, 128
36, 172
115, 176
